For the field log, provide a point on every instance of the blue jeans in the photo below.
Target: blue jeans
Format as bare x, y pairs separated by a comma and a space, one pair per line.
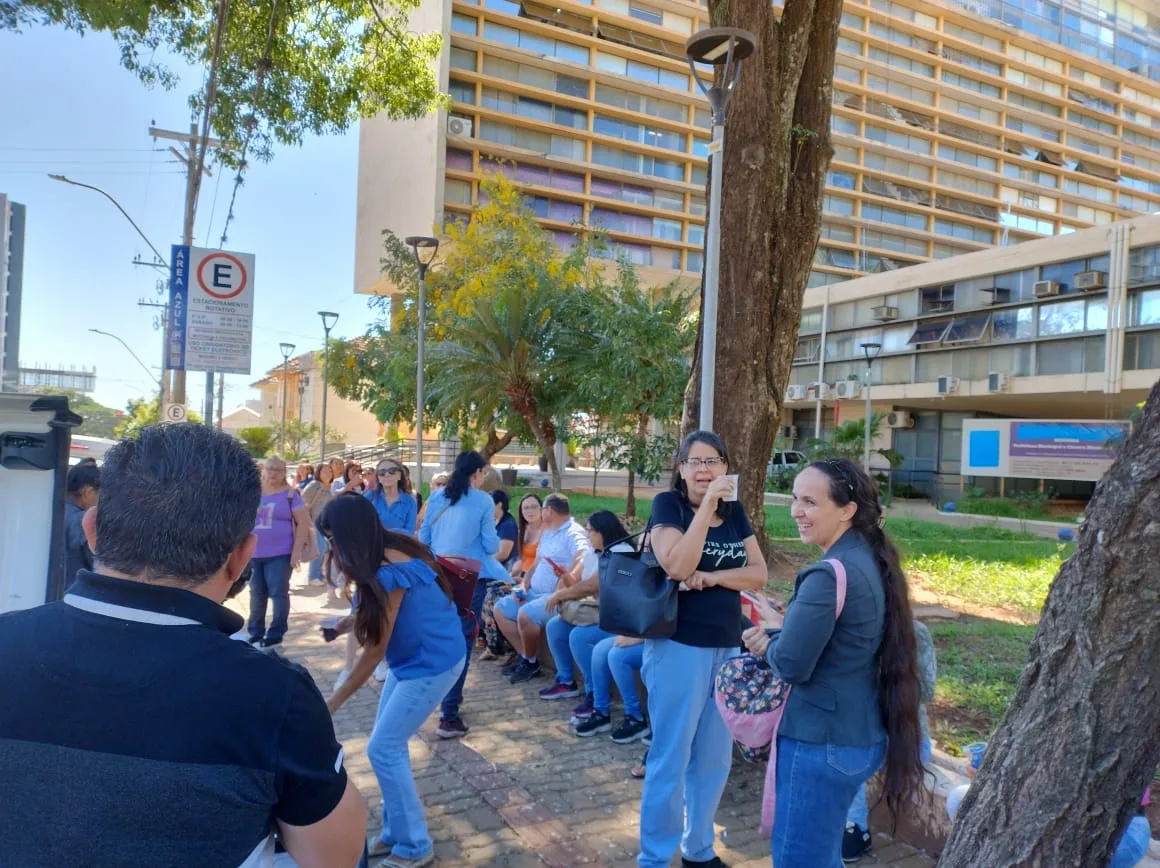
402, 709
270, 581
582, 642
815, 786
315, 574
622, 664
559, 632
449, 710
859, 813
690, 756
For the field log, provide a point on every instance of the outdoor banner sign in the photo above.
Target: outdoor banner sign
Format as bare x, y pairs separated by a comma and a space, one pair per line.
1065, 449
211, 310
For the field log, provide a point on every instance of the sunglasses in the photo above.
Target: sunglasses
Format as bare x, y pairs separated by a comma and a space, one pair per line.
388, 471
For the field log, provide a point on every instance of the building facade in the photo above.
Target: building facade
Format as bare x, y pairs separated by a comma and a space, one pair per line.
12, 218
37, 377
957, 126
1057, 328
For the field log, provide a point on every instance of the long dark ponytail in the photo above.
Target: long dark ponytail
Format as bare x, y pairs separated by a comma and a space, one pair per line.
899, 692
358, 545
467, 464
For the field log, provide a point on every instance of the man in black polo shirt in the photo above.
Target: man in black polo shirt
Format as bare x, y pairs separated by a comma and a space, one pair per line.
133, 730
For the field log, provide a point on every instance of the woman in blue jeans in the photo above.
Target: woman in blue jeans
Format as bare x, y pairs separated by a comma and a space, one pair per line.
405, 612
854, 677
281, 526
702, 537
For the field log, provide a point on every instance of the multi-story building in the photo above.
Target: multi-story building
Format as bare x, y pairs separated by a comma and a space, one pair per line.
957, 126
35, 377
1057, 328
11, 289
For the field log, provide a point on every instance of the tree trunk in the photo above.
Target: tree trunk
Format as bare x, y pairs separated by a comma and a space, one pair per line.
630, 500
777, 149
494, 443
1064, 774
545, 439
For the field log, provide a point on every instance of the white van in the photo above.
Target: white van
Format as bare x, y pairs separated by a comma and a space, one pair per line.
88, 447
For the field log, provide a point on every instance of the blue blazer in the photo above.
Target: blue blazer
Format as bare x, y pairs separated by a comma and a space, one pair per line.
833, 665
466, 529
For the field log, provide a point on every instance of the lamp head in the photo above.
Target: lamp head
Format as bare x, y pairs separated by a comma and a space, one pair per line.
871, 349
329, 318
424, 247
287, 350
718, 46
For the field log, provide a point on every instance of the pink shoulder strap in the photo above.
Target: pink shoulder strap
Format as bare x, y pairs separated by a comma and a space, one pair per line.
840, 574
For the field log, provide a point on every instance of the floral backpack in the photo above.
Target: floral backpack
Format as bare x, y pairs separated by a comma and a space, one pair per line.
751, 700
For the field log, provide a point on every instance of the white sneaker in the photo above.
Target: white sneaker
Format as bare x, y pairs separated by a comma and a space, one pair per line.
341, 680
381, 671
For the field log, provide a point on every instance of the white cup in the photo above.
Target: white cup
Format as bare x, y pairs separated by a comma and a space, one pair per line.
736, 479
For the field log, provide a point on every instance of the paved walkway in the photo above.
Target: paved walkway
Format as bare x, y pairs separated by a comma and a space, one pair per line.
521, 789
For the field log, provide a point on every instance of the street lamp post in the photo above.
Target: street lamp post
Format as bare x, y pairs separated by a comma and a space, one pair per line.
133, 354
287, 351
422, 246
723, 48
329, 318
871, 350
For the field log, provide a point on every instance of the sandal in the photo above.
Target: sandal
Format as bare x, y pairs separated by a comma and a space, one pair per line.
638, 772
400, 862
379, 848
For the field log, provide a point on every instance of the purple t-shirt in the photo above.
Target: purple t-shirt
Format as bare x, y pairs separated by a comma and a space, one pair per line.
275, 524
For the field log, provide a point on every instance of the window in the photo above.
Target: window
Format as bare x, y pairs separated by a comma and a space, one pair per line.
968, 83
1038, 105
966, 329
1034, 82
1031, 176
841, 180
1071, 357
646, 13
928, 333
952, 29
837, 232
1013, 325
937, 299
838, 205
811, 321
461, 58
1088, 191
464, 24
965, 183
1146, 308
1063, 318
970, 110
1092, 123
964, 231
461, 91
1142, 351
1027, 223
893, 34
901, 61
968, 158
847, 73
808, 350
896, 166
893, 216
890, 241
897, 139
972, 60
1033, 129
882, 85
1032, 58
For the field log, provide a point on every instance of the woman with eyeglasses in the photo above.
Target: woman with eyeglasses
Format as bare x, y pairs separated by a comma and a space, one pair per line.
404, 613
856, 690
390, 494
702, 538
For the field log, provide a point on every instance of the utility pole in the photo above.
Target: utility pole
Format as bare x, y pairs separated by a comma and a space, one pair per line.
221, 398
194, 160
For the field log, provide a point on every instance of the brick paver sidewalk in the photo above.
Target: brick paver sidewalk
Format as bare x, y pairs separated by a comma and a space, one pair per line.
521, 789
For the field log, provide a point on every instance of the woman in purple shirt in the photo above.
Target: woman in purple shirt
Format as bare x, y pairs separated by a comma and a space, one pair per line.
280, 527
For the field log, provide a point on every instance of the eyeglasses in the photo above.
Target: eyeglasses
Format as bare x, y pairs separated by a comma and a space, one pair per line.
388, 471
698, 463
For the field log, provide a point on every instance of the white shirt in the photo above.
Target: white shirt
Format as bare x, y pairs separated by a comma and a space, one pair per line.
591, 563
562, 545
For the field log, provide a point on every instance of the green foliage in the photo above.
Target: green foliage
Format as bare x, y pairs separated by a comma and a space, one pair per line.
139, 414
100, 421
848, 440
259, 442
304, 439
1025, 505
321, 66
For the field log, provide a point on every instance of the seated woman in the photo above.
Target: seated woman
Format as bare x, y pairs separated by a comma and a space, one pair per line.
405, 613
618, 658
528, 527
856, 691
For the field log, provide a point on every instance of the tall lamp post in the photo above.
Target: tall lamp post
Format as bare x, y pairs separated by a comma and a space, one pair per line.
133, 354
329, 318
871, 349
287, 351
723, 48
424, 247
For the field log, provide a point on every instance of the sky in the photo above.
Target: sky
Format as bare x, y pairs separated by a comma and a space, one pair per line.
68, 107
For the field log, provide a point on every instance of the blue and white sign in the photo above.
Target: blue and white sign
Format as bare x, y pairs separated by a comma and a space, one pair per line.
211, 303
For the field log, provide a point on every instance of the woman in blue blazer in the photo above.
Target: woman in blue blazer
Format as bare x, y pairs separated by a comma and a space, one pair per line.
460, 520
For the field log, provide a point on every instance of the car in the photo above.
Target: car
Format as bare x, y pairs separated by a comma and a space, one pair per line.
783, 462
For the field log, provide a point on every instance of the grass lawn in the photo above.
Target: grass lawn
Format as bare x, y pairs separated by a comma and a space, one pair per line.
979, 663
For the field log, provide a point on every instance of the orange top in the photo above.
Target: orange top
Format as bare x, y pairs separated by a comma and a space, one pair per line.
528, 555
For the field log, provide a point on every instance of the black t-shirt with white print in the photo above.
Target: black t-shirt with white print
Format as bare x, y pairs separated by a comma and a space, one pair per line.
709, 618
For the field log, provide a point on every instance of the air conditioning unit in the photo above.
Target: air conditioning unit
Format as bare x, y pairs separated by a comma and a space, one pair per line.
457, 126
1045, 288
1089, 280
795, 393
997, 381
789, 432
948, 385
885, 312
849, 389
821, 390
899, 419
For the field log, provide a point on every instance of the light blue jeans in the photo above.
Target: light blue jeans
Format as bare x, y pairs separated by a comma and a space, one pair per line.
404, 705
690, 756
558, 632
621, 664
582, 642
815, 785
315, 574
859, 812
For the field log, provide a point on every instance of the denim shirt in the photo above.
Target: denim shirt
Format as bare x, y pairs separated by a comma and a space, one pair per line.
398, 516
466, 528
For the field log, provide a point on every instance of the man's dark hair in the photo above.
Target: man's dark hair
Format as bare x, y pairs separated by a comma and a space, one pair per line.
83, 475
558, 503
175, 502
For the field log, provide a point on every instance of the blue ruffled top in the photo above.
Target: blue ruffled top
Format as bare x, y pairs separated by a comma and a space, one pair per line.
427, 638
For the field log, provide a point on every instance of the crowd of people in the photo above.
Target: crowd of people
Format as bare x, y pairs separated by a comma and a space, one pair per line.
429, 586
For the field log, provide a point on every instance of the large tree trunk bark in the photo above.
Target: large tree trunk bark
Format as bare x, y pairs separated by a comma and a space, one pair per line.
1079, 742
545, 438
777, 149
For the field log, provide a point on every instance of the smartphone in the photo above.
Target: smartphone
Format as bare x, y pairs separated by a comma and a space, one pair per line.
553, 564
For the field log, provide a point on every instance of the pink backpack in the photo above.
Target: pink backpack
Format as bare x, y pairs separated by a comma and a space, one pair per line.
751, 700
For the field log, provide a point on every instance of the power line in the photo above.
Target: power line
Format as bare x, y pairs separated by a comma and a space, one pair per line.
75, 150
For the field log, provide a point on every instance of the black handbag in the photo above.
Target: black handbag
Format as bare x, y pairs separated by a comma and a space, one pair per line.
637, 598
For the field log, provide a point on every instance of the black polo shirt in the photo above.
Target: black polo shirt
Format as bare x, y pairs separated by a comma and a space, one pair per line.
134, 731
